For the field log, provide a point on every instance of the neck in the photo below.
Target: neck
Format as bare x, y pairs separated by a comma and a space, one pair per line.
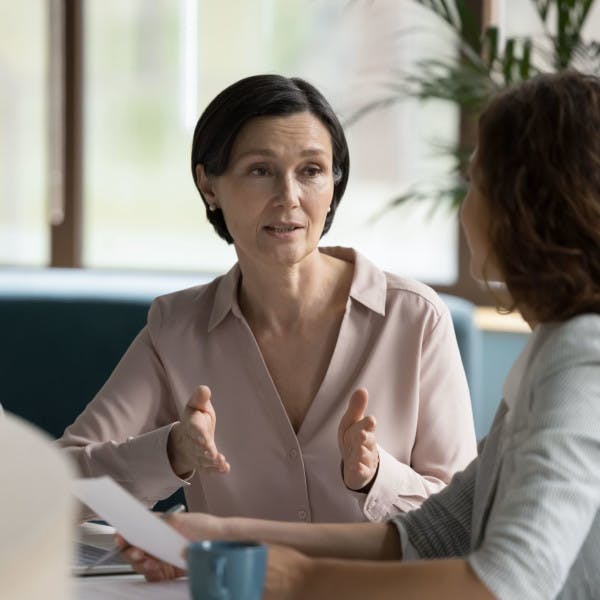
528, 316
283, 297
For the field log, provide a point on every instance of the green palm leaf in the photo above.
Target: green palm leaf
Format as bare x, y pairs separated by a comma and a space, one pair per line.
481, 67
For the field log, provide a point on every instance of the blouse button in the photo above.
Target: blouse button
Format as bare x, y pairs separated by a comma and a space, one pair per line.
293, 453
302, 515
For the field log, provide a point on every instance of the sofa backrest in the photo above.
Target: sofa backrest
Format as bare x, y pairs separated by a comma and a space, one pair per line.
58, 352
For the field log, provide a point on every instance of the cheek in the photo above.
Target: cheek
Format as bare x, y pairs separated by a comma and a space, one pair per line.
465, 217
322, 198
474, 218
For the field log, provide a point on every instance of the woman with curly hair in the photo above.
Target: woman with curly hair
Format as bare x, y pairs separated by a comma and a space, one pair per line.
522, 520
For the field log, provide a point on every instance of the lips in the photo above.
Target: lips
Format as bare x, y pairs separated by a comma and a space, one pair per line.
283, 227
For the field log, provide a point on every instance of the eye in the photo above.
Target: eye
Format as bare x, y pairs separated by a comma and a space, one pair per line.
259, 171
312, 170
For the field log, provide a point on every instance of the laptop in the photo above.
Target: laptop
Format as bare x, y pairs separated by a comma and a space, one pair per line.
95, 540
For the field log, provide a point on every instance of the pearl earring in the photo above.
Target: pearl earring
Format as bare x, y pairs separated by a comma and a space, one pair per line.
212, 207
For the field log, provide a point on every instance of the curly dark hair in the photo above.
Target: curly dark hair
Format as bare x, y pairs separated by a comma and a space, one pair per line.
263, 96
538, 160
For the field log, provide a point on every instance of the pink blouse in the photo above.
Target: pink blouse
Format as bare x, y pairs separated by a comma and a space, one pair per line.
396, 339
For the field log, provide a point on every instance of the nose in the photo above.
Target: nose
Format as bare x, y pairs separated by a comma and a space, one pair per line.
288, 191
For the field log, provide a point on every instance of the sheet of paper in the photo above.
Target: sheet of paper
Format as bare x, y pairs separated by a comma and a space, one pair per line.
139, 526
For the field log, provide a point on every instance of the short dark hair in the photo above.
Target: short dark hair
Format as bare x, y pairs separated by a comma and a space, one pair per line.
262, 96
538, 159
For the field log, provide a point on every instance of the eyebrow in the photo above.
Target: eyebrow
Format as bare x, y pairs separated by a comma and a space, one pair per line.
313, 151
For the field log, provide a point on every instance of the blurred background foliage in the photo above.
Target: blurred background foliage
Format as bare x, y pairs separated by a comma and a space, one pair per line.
484, 63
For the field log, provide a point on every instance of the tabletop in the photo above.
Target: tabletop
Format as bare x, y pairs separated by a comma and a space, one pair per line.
120, 587
128, 587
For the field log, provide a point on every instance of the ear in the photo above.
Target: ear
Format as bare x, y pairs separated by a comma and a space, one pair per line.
205, 184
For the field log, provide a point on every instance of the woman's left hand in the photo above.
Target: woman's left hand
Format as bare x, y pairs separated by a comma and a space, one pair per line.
193, 526
356, 439
287, 573
153, 569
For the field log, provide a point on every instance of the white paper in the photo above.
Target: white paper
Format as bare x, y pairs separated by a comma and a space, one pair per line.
139, 526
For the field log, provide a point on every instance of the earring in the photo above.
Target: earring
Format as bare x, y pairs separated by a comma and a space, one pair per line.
212, 207
329, 209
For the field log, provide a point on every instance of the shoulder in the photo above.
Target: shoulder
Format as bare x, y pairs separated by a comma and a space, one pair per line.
388, 294
563, 381
183, 305
568, 344
414, 296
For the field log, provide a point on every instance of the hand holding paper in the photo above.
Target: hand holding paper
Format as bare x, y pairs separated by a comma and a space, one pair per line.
139, 526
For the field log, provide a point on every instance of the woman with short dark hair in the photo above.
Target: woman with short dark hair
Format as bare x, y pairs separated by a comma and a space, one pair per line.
257, 96
522, 521
246, 390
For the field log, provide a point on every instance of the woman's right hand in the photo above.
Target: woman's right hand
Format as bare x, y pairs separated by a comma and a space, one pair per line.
191, 442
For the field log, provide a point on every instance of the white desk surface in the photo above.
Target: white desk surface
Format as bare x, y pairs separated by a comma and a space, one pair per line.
128, 587
121, 587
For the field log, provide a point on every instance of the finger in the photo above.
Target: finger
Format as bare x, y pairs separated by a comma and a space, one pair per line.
357, 405
221, 464
134, 555
365, 452
369, 441
365, 471
207, 457
206, 446
369, 423
136, 558
209, 452
357, 435
200, 432
357, 441
201, 400
201, 429
153, 572
368, 458
220, 470
362, 430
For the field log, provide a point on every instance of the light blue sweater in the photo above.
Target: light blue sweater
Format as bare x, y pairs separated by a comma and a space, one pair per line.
525, 513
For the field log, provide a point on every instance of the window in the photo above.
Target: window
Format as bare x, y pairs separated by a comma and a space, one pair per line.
149, 70
151, 67
24, 224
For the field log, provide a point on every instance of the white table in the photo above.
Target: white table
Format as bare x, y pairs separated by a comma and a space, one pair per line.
128, 587
121, 587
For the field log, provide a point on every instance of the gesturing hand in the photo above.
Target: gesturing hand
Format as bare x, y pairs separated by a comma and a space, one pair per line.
191, 442
356, 439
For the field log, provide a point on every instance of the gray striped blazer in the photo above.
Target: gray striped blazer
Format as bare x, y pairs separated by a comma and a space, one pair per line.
525, 513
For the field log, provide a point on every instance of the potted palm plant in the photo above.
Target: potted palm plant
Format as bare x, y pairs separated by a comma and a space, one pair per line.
487, 61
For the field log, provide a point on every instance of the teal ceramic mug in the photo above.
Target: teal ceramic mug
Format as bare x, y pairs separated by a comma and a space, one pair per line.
226, 570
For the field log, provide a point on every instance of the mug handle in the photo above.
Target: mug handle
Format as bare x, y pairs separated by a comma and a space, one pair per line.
218, 590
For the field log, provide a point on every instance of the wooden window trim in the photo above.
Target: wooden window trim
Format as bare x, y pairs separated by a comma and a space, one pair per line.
65, 131
465, 286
